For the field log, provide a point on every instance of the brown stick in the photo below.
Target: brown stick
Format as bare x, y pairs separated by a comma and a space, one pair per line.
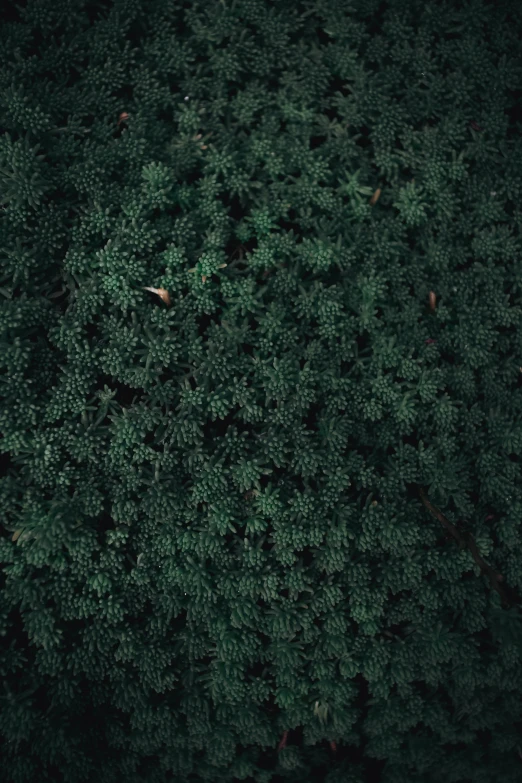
466, 540
282, 743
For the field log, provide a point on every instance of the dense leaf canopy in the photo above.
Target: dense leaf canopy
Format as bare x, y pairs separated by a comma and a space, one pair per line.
261, 391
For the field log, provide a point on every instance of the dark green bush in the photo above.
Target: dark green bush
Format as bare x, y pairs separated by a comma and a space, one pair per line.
263, 521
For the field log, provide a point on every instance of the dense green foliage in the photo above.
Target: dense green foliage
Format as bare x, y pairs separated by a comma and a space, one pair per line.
216, 560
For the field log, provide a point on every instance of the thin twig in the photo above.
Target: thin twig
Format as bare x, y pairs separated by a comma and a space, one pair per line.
466, 540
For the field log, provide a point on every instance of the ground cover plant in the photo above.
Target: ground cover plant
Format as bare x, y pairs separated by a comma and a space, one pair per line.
261, 391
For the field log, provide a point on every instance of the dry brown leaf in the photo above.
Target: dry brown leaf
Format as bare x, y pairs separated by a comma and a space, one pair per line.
161, 292
374, 199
